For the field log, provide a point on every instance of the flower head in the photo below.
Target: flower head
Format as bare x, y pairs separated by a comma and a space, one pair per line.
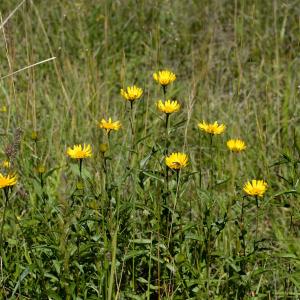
8, 180
79, 152
164, 77
255, 187
34, 135
176, 161
6, 164
41, 169
236, 145
168, 106
131, 93
109, 125
214, 128
103, 147
3, 108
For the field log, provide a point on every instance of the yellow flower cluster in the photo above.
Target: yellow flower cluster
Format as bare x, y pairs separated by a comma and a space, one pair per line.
175, 161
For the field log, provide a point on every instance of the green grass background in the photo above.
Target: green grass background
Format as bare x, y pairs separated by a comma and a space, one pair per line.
236, 62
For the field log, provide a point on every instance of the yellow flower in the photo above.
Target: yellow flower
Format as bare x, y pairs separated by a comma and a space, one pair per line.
255, 187
79, 152
168, 107
103, 147
164, 77
132, 93
236, 145
80, 185
109, 125
6, 164
41, 169
8, 180
214, 128
176, 161
34, 135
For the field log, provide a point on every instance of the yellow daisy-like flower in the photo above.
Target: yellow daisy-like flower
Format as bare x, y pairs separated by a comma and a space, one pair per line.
255, 187
6, 164
41, 169
79, 152
168, 107
214, 128
8, 180
164, 77
109, 125
236, 145
176, 161
131, 93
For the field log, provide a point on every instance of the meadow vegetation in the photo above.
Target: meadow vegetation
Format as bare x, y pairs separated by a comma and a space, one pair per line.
109, 193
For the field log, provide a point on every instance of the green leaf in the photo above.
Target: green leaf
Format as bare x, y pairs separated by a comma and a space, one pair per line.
142, 241
171, 267
286, 192
50, 172
51, 276
23, 275
145, 160
135, 253
153, 176
143, 138
56, 265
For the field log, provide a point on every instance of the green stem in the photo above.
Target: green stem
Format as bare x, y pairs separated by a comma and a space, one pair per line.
242, 228
241, 238
291, 221
167, 121
108, 138
167, 148
80, 167
177, 182
42, 180
233, 171
131, 116
131, 121
175, 203
3, 218
190, 198
256, 201
104, 163
113, 263
167, 134
108, 178
164, 91
208, 264
211, 162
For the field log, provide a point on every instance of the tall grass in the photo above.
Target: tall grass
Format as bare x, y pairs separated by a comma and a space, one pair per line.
119, 230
